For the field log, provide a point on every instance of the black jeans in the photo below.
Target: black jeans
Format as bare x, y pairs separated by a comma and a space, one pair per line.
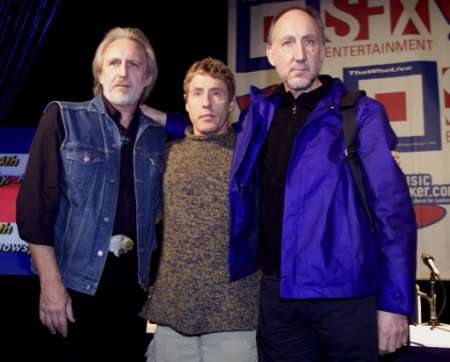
107, 328
313, 330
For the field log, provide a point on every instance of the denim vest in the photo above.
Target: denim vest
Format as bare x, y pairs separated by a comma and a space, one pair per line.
89, 186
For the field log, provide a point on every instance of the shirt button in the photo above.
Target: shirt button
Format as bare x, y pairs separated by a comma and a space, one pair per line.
331, 107
111, 180
106, 219
114, 146
100, 253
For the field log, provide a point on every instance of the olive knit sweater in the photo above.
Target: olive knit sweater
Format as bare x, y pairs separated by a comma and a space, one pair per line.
192, 293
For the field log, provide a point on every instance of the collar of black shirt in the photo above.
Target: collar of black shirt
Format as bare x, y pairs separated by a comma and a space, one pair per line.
116, 115
309, 99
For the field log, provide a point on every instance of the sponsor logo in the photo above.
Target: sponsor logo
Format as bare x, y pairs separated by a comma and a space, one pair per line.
423, 191
351, 20
425, 195
9, 161
5, 180
410, 94
14, 248
6, 228
10, 240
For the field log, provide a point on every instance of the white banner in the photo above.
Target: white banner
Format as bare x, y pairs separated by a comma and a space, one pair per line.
398, 52
14, 252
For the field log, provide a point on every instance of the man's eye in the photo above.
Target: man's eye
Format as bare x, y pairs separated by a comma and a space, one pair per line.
287, 43
309, 42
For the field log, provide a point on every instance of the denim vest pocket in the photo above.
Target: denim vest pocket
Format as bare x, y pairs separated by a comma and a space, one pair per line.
85, 167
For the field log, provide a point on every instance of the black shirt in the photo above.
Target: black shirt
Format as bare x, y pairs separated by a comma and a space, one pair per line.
276, 153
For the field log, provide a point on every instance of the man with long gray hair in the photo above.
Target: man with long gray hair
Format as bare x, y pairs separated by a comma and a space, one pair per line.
86, 205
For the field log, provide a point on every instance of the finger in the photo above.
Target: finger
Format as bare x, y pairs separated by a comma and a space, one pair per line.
42, 316
61, 323
394, 341
69, 311
405, 339
56, 321
382, 348
47, 321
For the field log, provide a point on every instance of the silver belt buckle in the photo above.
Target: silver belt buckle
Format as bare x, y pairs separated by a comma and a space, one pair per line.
120, 244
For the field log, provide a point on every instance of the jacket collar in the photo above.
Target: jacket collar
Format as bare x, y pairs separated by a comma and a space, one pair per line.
331, 97
101, 105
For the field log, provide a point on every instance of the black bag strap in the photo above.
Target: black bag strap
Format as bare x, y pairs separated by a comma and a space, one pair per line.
350, 128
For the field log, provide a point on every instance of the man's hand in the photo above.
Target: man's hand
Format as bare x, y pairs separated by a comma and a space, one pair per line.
158, 116
55, 305
396, 156
55, 308
393, 331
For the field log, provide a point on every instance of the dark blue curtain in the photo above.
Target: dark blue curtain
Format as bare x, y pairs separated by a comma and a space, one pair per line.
23, 26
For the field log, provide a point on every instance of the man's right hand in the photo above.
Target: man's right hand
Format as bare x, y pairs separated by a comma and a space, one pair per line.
55, 305
55, 308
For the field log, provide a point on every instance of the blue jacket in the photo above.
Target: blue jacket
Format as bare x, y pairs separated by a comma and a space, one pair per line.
90, 156
328, 249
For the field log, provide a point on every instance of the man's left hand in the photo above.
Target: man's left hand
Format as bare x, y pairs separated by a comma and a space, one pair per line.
393, 331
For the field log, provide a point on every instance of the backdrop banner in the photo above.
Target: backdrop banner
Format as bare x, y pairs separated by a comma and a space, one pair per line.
398, 52
14, 147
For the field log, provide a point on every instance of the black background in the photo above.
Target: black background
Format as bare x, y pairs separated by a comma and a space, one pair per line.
180, 32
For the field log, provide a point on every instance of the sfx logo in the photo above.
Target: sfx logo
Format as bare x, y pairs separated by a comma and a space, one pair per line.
351, 20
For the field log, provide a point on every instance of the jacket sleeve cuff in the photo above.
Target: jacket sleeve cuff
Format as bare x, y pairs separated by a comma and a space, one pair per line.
396, 301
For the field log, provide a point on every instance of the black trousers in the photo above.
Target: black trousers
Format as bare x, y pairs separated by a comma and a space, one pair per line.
107, 328
313, 330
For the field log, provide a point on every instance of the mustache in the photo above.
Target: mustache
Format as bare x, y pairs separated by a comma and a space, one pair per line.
302, 67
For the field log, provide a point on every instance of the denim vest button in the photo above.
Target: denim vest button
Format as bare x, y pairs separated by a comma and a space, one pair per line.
100, 253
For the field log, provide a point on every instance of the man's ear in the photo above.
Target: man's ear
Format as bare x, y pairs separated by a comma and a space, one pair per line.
186, 106
148, 80
269, 53
232, 105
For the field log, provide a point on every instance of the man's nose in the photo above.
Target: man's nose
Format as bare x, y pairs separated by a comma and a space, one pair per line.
299, 52
206, 101
123, 70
